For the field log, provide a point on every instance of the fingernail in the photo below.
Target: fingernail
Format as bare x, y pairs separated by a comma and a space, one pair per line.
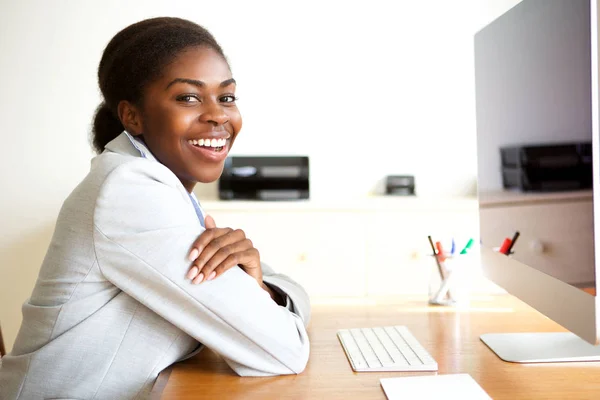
198, 279
193, 254
212, 276
192, 272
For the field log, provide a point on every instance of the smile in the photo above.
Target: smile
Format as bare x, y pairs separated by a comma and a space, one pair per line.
214, 144
210, 150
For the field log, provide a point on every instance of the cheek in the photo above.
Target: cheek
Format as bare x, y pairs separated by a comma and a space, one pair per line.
167, 119
235, 120
178, 121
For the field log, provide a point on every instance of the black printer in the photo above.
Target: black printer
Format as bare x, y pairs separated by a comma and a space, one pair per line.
548, 167
264, 178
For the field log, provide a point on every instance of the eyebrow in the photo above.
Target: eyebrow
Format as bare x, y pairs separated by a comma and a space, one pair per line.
198, 83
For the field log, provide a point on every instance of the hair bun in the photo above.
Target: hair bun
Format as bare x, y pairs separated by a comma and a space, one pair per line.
106, 125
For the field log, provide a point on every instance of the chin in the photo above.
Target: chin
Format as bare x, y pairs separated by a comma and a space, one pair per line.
209, 176
207, 179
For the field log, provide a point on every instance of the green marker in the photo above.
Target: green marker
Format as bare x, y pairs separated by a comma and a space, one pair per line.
467, 247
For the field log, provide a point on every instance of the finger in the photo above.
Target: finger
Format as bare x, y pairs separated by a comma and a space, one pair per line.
246, 256
209, 222
209, 250
206, 237
193, 272
198, 246
226, 252
217, 250
198, 279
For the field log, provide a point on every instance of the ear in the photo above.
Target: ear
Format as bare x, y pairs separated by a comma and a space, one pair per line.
130, 117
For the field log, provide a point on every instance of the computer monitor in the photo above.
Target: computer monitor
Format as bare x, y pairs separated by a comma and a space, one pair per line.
536, 81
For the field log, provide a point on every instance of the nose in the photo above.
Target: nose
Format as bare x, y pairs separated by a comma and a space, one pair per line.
215, 114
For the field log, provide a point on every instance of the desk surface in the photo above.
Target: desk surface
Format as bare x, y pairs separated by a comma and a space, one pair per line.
451, 336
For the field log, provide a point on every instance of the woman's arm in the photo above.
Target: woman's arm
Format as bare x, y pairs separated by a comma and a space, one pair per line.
143, 232
218, 249
295, 297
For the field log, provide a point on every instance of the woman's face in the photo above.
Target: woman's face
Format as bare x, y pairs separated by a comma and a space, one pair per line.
189, 118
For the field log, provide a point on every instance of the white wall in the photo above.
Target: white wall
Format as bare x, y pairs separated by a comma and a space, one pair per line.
365, 88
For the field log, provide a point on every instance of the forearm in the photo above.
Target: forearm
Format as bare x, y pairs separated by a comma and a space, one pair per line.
292, 292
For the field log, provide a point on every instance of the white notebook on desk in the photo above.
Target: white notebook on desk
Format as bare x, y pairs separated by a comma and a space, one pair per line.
435, 387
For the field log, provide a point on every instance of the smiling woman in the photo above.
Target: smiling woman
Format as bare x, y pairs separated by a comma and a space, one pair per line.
171, 96
177, 109
118, 297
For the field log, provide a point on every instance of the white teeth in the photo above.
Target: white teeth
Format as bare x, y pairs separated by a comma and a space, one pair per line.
208, 142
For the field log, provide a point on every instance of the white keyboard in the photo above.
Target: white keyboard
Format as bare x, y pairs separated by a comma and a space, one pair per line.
388, 348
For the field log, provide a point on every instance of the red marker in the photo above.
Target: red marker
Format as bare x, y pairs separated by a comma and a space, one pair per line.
440, 250
504, 249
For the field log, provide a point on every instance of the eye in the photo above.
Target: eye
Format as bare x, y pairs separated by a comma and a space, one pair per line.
229, 98
188, 98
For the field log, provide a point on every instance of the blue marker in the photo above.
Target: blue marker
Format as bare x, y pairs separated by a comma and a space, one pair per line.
453, 248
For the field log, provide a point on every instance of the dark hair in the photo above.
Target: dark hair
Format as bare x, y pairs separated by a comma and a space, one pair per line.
135, 57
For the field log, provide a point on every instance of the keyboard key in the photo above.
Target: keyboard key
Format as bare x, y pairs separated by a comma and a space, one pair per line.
357, 360
390, 348
378, 349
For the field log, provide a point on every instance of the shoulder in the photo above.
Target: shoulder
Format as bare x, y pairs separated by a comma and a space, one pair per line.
114, 166
138, 191
125, 174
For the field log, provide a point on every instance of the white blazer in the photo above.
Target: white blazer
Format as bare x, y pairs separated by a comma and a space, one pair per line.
112, 306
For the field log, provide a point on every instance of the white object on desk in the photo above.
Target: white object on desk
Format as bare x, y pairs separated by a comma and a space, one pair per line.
388, 348
447, 387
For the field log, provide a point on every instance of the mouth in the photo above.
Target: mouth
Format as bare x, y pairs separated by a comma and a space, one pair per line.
212, 150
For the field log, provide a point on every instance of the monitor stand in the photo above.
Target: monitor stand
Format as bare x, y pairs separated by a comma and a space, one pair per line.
541, 347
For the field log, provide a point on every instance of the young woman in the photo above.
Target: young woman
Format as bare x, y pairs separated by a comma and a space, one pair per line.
136, 276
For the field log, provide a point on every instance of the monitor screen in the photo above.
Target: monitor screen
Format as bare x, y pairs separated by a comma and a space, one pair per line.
538, 144
534, 137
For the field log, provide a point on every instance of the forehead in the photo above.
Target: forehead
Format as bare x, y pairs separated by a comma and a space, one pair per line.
200, 63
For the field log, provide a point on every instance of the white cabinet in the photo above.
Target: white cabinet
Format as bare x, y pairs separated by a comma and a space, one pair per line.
323, 251
373, 247
398, 251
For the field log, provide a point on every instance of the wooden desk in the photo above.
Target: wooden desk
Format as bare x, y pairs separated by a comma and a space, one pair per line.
451, 336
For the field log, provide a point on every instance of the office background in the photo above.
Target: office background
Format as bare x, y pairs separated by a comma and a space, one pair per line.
364, 88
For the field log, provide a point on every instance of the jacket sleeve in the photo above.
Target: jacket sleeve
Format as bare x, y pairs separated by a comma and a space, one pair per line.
296, 298
143, 230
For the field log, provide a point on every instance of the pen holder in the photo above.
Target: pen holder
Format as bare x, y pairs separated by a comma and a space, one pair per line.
449, 280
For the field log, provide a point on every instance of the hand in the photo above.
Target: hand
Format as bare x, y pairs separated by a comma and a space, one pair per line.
218, 249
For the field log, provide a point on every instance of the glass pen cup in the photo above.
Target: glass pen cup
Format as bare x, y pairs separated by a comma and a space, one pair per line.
450, 279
